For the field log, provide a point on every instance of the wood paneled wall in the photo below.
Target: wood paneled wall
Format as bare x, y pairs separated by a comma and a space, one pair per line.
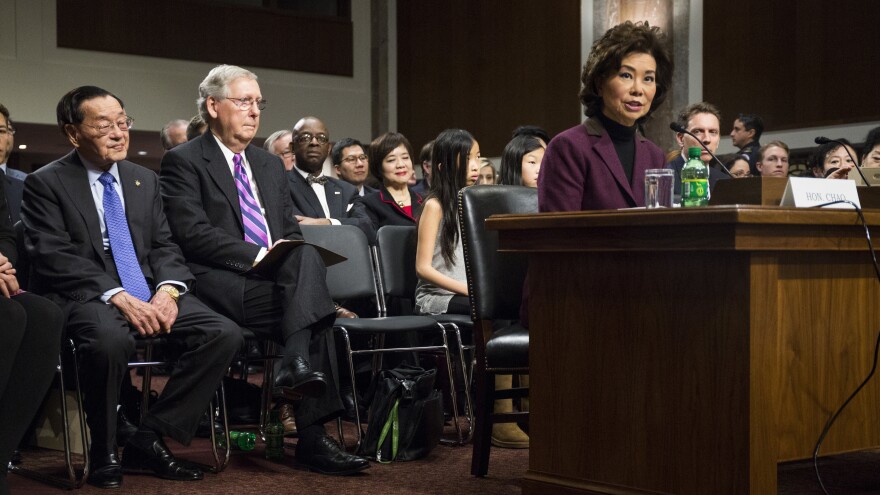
487, 67
797, 64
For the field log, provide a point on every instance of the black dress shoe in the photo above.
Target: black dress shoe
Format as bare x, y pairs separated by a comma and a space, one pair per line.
125, 429
347, 396
105, 471
326, 457
155, 458
297, 380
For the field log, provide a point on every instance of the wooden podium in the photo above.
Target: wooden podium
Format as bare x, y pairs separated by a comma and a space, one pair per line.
688, 351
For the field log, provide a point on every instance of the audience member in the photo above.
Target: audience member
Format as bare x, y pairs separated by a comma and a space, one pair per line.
101, 249
534, 131
228, 203
352, 164
704, 121
871, 152
423, 186
29, 345
395, 203
173, 133
488, 174
739, 166
773, 159
601, 163
746, 135
521, 161
832, 161
13, 181
196, 127
318, 199
278, 143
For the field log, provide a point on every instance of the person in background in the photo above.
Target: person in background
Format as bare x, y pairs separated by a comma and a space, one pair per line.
352, 164
196, 127
173, 133
424, 185
394, 203
13, 180
871, 152
832, 161
521, 161
739, 166
746, 135
773, 159
278, 143
703, 119
534, 131
488, 174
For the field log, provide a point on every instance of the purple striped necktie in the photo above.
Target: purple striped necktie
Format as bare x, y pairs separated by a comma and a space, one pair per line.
251, 218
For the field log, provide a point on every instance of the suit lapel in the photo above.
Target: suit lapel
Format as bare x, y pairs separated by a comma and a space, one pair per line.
605, 149
218, 169
263, 178
305, 191
335, 201
75, 181
135, 197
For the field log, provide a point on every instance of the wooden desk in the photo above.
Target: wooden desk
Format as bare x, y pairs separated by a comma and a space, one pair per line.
689, 351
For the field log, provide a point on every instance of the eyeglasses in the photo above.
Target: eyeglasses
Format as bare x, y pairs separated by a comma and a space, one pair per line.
104, 129
741, 175
7, 130
306, 138
284, 154
355, 158
246, 103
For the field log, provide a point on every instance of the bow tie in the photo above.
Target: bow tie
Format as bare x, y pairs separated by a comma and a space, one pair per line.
316, 180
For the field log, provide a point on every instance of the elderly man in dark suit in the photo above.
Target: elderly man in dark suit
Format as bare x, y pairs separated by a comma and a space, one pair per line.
228, 204
318, 199
13, 180
101, 249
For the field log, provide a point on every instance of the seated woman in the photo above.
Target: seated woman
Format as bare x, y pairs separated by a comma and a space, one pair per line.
871, 153
738, 166
832, 161
521, 161
488, 174
395, 203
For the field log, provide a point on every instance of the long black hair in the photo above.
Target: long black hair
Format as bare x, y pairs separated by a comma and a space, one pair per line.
450, 155
512, 156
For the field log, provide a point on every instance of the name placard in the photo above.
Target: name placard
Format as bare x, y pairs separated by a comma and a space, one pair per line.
805, 192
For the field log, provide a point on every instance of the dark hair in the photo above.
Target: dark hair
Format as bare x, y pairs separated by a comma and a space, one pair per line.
688, 112
512, 156
452, 149
425, 154
608, 53
5, 112
379, 149
751, 121
69, 109
817, 159
339, 147
532, 130
871, 140
196, 127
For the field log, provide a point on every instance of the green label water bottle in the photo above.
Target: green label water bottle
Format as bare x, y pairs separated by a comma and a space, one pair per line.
241, 440
694, 180
274, 437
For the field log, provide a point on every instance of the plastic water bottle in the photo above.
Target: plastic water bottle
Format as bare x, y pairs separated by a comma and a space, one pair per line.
694, 180
274, 437
241, 440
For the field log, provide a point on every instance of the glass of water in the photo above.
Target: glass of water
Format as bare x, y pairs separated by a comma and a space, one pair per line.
658, 187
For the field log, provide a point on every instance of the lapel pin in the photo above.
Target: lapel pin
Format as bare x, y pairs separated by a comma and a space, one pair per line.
137, 183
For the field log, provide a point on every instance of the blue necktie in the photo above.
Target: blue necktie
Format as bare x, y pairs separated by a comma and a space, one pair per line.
127, 265
251, 218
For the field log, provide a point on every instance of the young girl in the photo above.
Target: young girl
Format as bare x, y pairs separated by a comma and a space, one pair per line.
521, 161
442, 286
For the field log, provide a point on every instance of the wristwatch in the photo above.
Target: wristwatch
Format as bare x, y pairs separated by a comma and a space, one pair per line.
171, 291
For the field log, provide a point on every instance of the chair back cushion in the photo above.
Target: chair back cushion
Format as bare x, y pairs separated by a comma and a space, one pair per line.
353, 278
397, 260
495, 280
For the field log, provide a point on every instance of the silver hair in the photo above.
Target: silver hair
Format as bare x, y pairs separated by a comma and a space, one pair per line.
216, 84
275, 136
163, 134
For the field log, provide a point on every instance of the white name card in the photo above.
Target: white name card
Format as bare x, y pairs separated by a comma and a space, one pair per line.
805, 192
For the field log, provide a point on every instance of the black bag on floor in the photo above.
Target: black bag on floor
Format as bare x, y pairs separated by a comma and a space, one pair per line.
406, 415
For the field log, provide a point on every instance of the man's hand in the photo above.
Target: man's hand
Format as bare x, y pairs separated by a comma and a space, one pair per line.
166, 308
312, 221
143, 317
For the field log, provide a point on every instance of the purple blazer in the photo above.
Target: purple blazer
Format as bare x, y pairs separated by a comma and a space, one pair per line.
581, 171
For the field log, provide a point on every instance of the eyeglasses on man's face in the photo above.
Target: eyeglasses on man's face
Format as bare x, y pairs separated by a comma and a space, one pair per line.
105, 128
306, 138
247, 103
7, 130
354, 158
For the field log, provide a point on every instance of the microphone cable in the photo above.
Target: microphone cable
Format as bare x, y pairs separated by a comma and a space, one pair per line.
858, 389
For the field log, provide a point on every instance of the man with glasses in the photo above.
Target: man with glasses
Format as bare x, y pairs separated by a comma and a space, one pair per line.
278, 143
101, 249
704, 121
228, 204
351, 164
14, 179
317, 198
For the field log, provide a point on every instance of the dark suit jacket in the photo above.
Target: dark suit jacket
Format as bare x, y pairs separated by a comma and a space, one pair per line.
14, 183
63, 231
7, 235
201, 201
341, 202
383, 210
581, 171
715, 174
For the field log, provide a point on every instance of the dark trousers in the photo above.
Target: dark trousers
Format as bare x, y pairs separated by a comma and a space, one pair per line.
29, 344
105, 341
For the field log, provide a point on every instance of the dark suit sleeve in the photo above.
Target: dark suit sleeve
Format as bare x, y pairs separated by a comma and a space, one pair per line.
357, 214
203, 242
561, 180
166, 260
7, 235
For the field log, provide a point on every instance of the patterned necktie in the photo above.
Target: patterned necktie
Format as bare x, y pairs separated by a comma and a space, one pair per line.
254, 224
316, 180
127, 266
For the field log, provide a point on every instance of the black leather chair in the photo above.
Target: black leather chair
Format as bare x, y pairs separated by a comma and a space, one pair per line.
357, 278
495, 281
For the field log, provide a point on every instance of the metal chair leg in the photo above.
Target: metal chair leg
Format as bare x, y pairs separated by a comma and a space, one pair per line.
220, 464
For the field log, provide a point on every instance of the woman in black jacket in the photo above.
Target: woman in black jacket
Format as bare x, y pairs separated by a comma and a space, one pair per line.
391, 163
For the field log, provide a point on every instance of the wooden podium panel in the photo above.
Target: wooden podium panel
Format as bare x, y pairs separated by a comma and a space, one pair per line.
689, 351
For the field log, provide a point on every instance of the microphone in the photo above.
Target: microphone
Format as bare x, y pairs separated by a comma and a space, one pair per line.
675, 126
824, 140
